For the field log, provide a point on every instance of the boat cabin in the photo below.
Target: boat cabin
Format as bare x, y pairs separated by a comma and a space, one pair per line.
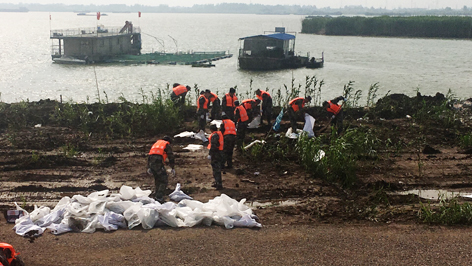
95, 44
276, 45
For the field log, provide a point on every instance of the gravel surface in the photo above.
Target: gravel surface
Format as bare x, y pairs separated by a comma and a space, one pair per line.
393, 244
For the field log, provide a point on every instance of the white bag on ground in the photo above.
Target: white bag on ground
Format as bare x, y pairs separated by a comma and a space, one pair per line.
255, 122
178, 195
201, 136
309, 124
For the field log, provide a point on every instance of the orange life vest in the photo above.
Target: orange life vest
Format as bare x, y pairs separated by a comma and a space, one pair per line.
230, 127
248, 103
294, 105
12, 251
333, 108
214, 97
205, 105
158, 148
230, 100
242, 114
221, 140
262, 94
179, 90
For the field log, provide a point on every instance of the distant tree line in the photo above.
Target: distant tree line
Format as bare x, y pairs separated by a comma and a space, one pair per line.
415, 26
235, 8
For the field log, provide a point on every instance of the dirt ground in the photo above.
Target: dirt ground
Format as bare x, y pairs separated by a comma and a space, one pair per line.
305, 220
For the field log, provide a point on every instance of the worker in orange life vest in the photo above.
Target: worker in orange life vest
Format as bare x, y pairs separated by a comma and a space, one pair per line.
8, 256
296, 111
228, 129
216, 145
161, 150
178, 94
252, 108
228, 103
202, 109
241, 119
266, 105
335, 112
215, 105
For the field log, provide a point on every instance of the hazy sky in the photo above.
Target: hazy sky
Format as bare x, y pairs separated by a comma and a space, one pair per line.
390, 4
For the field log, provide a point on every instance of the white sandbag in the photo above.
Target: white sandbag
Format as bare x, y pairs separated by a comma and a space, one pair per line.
148, 217
193, 147
92, 224
201, 136
142, 193
309, 124
255, 123
39, 213
246, 221
185, 134
26, 226
61, 228
81, 199
97, 207
99, 195
292, 135
127, 192
131, 215
62, 203
144, 200
77, 209
177, 195
111, 221
216, 122
53, 217
119, 207
319, 155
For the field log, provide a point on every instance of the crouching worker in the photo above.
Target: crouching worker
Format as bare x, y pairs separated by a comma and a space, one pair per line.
178, 94
335, 112
215, 145
296, 111
161, 150
228, 129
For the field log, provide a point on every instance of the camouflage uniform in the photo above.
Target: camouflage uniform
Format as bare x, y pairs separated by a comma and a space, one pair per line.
156, 165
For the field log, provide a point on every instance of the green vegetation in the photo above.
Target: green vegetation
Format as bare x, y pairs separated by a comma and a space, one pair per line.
415, 26
466, 141
450, 212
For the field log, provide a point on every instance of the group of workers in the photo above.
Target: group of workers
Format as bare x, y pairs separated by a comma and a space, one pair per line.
235, 117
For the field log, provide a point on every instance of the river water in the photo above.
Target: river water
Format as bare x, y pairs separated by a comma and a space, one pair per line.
399, 65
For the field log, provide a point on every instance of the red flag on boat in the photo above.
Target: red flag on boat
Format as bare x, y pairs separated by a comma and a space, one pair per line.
98, 15
139, 13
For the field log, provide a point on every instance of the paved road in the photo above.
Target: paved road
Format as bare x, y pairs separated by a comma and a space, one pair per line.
271, 245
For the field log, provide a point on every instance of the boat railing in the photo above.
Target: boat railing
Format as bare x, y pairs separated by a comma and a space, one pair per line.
88, 32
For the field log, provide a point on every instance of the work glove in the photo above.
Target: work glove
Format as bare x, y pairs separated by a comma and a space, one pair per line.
172, 172
209, 157
344, 99
332, 117
202, 117
149, 171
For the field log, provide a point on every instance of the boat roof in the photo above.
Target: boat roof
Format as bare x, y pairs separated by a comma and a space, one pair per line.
279, 36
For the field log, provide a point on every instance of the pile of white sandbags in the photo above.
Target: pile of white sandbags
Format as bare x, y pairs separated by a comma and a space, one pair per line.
130, 208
